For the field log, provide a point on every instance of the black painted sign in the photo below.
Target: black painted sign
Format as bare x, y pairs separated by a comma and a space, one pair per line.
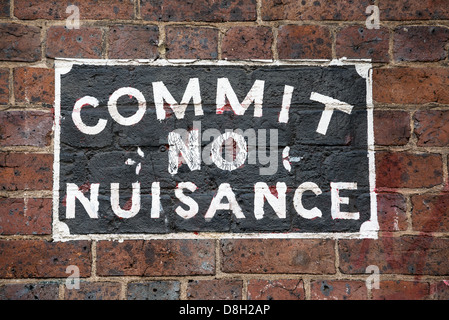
244, 149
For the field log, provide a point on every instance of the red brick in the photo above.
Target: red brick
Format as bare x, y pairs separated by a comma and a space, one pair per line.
217, 289
4, 86
407, 170
356, 42
156, 257
391, 128
401, 290
247, 43
20, 42
94, 291
430, 213
43, 259
88, 9
74, 43
23, 171
25, 128
414, 255
391, 212
191, 42
420, 43
304, 42
338, 290
203, 10
5, 9
25, 216
133, 42
282, 289
411, 85
431, 128
413, 10
439, 290
314, 10
34, 85
278, 256
30, 291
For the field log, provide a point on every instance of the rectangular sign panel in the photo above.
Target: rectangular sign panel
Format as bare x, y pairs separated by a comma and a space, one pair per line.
181, 149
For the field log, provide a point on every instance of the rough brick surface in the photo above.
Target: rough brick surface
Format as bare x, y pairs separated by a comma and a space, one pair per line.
34, 85
5, 9
186, 257
439, 290
392, 212
304, 42
413, 10
401, 290
4, 86
94, 291
133, 42
154, 290
338, 290
247, 43
278, 256
191, 43
43, 259
221, 289
431, 128
25, 216
391, 128
20, 42
33, 291
282, 289
430, 213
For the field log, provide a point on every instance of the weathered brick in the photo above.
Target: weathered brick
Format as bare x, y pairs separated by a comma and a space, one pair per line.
282, 289
430, 128
74, 43
23, 171
304, 42
413, 10
411, 85
315, 10
25, 216
20, 42
420, 43
203, 10
338, 290
43, 259
94, 291
88, 9
247, 43
25, 128
156, 257
391, 128
278, 256
4, 86
430, 213
356, 42
413, 255
401, 290
191, 42
217, 289
133, 42
30, 291
5, 9
154, 290
391, 212
407, 170
439, 290
34, 85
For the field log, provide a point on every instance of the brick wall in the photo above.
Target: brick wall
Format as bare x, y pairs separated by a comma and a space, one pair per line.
411, 81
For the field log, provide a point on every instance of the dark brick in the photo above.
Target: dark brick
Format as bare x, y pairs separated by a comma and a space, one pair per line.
401, 290
203, 10
156, 257
20, 42
420, 43
391, 212
413, 10
430, 213
391, 128
191, 42
430, 128
304, 42
4, 86
30, 291
5, 9
356, 42
282, 289
94, 291
247, 43
439, 290
278, 256
407, 170
25, 216
217, 289
338, 290
133, 42
23, 171
74, 43
43, 259
154, 290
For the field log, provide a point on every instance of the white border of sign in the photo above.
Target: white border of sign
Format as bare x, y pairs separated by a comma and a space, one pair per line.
369, 229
